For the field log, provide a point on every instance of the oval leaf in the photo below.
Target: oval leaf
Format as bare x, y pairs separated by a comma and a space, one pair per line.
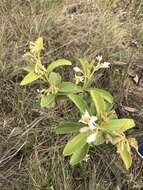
29, 78
99, 139
48, 101
84, 63
69, 87
55, 64
99, 103
29, 67
75, 144
125, 154
68, 127
104, 94
118, 125
79, 102
55, 78
79, 155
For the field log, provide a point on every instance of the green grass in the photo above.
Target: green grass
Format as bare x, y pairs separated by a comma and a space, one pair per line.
31, 157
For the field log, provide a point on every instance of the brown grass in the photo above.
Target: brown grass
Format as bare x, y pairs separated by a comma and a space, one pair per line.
30, 154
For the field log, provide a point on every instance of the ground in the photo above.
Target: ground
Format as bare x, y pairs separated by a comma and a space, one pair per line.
30, 153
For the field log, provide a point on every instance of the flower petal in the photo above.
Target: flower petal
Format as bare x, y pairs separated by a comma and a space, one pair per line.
86, 114
93, 119
91, 125
105, 65
77, 70
99, 58
82, 121
91, 138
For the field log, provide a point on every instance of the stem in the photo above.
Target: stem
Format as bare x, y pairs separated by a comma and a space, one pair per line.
90, 79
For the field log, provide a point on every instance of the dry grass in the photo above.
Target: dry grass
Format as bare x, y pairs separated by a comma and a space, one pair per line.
30, 154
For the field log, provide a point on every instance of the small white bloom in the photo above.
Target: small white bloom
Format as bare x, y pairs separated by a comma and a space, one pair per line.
99, 58
91, 123
89, 120
77, 70
105, 65
91, 138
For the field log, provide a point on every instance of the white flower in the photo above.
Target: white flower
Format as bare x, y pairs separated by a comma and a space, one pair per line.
77, 70
89, 120
105, 65
99, 58
91, 138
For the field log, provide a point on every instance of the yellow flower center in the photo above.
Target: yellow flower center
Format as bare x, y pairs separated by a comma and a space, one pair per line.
87, 119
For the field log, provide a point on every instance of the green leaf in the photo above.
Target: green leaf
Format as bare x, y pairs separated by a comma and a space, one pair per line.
48, 101
29, 78
118, 125
68, 127
55, 64
99, 103
29, 67
55, 78
92, 108
79, 102
75, 144
123, 150
105, 95
112, 115
99, 139
85, 66
69, 87
108, 107
79, 155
